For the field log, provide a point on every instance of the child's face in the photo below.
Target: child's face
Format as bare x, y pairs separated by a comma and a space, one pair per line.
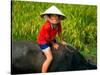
54, 19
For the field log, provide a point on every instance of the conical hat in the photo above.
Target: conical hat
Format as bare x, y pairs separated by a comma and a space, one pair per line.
53, 10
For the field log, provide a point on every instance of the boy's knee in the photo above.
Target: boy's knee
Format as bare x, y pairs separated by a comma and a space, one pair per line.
50, 58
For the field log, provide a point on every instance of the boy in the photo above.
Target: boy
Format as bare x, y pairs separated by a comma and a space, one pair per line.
48, 32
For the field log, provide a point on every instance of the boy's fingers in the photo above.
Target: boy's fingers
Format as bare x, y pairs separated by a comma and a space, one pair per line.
64, 43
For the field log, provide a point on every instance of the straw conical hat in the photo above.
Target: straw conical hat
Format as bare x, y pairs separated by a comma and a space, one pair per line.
53, 10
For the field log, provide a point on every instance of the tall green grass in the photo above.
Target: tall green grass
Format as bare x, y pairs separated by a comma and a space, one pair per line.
79, 28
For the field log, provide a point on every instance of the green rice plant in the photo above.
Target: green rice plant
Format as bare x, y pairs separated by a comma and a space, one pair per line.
78, 29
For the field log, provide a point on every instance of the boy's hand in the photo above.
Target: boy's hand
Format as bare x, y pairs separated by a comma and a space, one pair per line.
64, 43
55, 45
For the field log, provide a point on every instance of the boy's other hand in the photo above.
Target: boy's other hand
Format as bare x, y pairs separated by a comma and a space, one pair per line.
64, 43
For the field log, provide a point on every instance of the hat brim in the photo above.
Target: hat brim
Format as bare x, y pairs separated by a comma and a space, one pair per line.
63, 16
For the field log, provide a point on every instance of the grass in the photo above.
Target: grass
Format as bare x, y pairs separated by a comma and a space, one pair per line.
79, 28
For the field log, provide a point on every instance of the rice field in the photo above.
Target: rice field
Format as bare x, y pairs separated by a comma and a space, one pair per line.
78, 29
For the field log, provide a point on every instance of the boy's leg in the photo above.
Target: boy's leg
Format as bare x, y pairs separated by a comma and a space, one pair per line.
48, 54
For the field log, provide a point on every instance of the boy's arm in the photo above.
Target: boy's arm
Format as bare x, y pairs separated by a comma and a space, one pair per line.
60, 36
62, 39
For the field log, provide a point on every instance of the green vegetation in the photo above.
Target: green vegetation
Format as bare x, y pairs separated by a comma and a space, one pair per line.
79, 29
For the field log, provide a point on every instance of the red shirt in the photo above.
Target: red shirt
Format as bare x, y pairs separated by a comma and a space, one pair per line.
47, 33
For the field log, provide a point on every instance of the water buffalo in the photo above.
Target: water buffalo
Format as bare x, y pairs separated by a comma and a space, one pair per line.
28, 58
